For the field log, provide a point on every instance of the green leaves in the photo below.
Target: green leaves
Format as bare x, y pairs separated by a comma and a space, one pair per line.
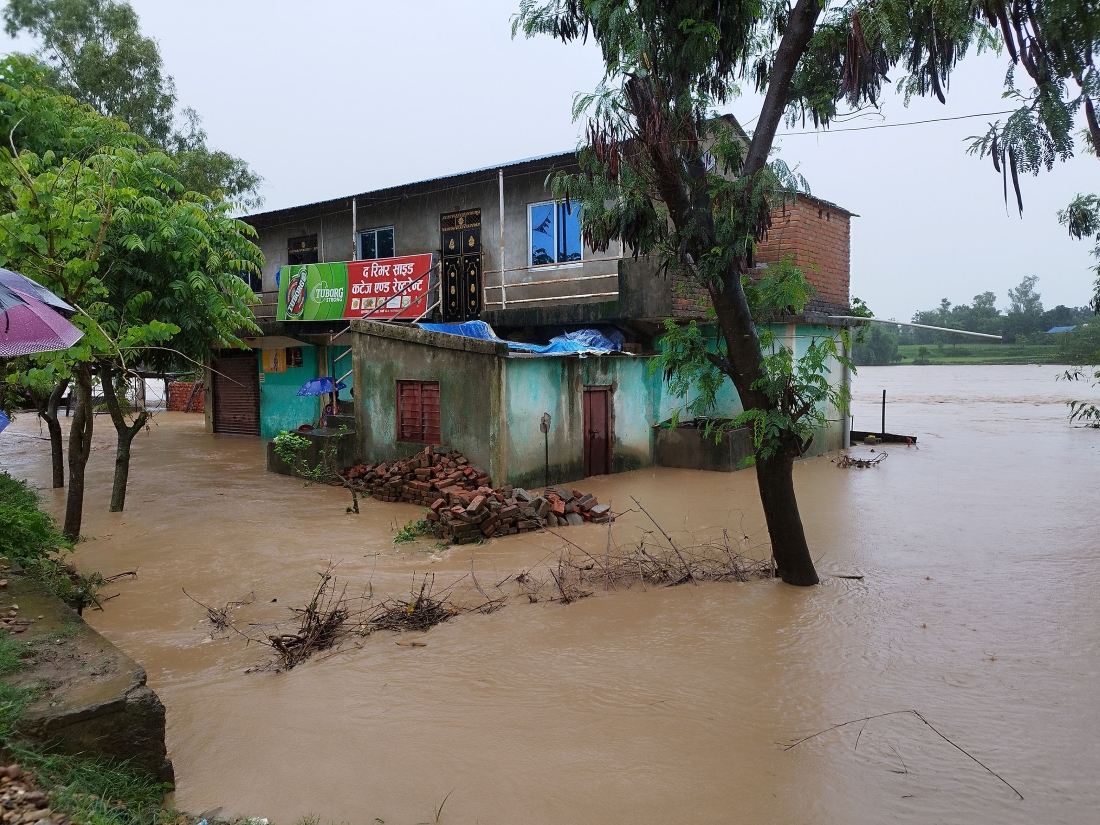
109, 228
1082, 219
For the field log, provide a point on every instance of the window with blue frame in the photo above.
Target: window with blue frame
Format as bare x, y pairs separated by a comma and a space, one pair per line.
555, 236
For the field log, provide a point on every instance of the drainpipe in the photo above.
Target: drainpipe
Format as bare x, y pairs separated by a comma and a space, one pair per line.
503, 297
846, 377
322, 237
354, 233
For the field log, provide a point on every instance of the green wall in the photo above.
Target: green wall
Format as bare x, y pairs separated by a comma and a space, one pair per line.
280, 406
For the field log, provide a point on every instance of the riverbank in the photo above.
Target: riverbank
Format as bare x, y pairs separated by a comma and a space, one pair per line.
972, 354
976, 607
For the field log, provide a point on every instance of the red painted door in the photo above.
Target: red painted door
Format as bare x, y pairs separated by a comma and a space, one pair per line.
597, 431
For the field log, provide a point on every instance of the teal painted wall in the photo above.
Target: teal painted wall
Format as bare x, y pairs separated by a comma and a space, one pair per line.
280, 406
491, 404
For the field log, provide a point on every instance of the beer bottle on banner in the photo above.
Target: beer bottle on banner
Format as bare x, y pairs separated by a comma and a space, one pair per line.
296, 294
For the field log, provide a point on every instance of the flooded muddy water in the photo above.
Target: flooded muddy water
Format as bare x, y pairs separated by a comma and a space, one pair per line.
979, 607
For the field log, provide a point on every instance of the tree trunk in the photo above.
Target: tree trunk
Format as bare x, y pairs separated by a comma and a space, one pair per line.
80, 447
126, 433
47, 411
775, 478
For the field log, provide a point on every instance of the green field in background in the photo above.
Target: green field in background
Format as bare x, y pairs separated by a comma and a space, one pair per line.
967, 353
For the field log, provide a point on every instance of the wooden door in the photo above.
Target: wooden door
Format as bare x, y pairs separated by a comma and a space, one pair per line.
237, 395
597, 431
461, 233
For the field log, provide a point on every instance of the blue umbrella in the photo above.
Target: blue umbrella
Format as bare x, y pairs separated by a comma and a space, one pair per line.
320, 386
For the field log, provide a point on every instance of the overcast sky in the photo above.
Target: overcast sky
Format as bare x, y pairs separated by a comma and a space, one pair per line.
329, 98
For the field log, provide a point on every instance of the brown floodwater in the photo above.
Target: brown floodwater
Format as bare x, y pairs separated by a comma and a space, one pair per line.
980, 608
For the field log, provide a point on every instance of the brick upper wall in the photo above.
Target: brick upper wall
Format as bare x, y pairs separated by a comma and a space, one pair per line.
817, 234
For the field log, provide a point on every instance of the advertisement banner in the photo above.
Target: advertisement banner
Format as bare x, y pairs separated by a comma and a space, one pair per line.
388, 288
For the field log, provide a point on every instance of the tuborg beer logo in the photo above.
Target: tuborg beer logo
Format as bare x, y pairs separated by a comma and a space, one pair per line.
324, 294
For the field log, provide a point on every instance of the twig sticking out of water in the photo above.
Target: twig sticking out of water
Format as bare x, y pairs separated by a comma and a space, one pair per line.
847, 460
920, 716
219, 616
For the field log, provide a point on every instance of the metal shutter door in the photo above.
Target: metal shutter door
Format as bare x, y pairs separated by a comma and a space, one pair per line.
237, 396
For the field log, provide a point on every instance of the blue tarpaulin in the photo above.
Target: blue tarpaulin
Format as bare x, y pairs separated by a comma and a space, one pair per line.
1054, 330
582, 341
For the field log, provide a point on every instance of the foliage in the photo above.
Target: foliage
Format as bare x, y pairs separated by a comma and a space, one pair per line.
1023, 319
1081, 347
1082, 219
1054, 43
158, 274
413, 530
798, 390
31, 539
878, 347
289, 448
95, 53
29, 533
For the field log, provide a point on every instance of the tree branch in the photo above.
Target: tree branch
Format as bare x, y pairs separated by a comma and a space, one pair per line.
800, 28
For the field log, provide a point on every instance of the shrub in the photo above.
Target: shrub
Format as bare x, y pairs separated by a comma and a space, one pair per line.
31, 539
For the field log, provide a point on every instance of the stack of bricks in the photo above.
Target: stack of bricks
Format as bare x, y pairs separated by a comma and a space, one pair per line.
419, 479
466, 517
464, 505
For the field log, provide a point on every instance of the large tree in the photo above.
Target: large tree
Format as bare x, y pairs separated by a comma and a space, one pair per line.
98, 55
663, 174
155, 272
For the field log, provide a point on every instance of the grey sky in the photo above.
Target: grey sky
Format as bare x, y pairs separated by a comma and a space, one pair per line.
329, 98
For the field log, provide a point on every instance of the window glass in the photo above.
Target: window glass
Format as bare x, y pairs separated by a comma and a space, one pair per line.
385, 243
366, 246
569, 233
542, 234
376, 243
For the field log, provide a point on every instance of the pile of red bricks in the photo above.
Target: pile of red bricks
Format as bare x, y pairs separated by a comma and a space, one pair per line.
418, 480
466, 517
464, 505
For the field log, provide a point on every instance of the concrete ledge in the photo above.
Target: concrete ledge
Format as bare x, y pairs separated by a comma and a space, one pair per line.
319, 440
95, 701
441, 340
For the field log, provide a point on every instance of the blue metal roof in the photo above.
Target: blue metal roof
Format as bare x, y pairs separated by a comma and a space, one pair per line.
1053, 330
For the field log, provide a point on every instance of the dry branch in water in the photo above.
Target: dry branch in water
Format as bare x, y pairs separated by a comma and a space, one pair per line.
847, 460
331, 615
219, 616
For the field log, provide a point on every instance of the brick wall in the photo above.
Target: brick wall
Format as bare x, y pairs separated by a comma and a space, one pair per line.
818, 235
179, 392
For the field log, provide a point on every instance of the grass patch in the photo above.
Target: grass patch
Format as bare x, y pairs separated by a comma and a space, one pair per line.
12, 655
94, 792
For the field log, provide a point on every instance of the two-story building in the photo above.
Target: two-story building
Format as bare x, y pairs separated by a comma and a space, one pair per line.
490, 245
